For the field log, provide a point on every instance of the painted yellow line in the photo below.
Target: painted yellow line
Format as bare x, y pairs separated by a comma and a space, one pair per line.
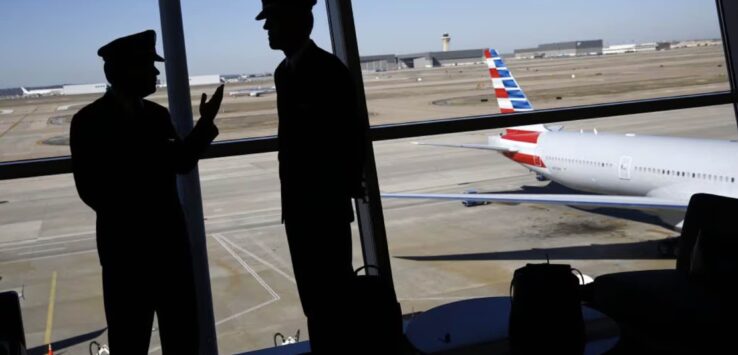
50, 314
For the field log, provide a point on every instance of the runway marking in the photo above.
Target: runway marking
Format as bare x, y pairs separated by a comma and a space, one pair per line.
47, 257
265, 212
266, 263
224, 320
47, 244
245, 312
49, 238
40, 251
246, 266
17, 122
275, 296
50, 313
269, 251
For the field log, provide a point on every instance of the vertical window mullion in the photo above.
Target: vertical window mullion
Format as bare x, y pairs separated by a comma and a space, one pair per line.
369, 213
178, 89
727, 10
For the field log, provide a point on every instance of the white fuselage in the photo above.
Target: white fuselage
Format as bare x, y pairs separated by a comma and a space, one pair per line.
664, 167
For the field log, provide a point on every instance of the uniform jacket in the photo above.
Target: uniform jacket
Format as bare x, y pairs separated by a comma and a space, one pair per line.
321, 138
125, 168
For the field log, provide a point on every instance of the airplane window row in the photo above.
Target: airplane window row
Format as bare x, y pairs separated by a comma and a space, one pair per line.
704, 176
581, 162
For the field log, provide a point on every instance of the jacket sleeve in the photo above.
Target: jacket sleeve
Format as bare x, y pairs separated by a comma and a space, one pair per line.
354, 136
88, 165
183, 154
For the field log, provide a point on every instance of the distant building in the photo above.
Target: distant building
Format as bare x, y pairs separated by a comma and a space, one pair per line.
697, 43
231, 78
620, 49
84, 89
199, 80
527, 53
646, 47
640, 47
561, 49
11, 92
378, 63
441, 59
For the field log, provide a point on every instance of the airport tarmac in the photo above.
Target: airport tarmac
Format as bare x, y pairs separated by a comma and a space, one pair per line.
441, 251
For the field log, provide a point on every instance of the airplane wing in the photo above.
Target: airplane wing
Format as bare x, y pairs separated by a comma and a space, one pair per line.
636, 202
471, 146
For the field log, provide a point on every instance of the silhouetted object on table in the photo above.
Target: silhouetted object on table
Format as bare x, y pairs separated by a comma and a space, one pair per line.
688, 310
12, 334
321, 160
546, 312
126, 156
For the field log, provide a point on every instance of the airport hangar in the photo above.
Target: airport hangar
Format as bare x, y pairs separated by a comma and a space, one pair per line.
561, 49
388, 62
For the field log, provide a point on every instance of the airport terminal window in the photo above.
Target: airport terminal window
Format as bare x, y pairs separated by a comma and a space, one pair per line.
48, 255
225, 43
593, 53
48, 78
252, 280
443, 251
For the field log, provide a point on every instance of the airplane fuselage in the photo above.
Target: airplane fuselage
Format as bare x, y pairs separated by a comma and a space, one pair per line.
636, 165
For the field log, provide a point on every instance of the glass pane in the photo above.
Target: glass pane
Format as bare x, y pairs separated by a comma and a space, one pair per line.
223, 38
46, 230
443, 251
54, 58
48, 255
224, 44
254, 290
561, 54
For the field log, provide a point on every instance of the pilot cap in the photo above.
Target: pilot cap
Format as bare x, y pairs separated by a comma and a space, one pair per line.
271, 6
134, 47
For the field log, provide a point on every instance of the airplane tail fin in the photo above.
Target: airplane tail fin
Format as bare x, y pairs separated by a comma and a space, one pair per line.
25, 92
510, 97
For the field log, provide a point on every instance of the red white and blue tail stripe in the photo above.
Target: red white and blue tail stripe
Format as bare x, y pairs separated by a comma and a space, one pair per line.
510, 97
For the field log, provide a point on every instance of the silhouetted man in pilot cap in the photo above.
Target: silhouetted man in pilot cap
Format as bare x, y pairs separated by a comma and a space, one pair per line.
321, 161
126, 156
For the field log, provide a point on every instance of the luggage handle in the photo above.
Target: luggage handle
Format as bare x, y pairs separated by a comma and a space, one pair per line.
365, 267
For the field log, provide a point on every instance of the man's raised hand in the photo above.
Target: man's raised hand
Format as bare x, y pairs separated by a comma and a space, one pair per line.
208, 110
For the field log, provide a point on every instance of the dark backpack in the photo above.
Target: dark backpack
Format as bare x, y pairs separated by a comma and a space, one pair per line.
546, 312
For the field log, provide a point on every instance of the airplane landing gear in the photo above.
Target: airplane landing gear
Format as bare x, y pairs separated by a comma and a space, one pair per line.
669, 248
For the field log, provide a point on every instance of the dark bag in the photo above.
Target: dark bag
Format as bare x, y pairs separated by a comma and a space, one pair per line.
376, 315
12, 335
546, 313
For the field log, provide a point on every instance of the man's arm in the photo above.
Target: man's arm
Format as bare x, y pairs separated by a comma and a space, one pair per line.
185, 153
354, 134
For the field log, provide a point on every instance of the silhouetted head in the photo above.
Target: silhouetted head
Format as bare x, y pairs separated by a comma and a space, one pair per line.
129, 63
288, 22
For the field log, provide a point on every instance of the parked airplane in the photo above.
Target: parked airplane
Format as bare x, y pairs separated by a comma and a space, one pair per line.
253, 92
41, 92
627, 170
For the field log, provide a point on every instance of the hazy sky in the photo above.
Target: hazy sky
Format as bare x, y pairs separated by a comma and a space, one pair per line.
52, 42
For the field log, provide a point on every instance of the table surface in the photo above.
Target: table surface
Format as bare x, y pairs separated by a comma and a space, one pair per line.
485, 320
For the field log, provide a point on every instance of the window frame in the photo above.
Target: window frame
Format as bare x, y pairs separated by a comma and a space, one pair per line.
343, 36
